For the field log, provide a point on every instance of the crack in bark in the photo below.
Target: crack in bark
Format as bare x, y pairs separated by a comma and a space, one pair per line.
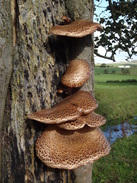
15, 17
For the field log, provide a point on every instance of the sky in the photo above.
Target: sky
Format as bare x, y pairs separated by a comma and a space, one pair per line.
120, 56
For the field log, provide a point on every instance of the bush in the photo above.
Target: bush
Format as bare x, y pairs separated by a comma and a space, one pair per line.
125, 71
105, 71
113, 71
122, 81
103, 65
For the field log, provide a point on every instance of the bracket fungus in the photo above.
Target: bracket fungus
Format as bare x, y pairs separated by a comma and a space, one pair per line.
71, 144
92, 120
78, 28
70, 108
59, 148
76, 139
77, 73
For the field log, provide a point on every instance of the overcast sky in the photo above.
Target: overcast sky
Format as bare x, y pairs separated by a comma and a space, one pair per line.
120, 56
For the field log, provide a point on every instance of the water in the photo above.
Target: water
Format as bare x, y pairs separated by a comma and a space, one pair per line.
135, 118
119, 131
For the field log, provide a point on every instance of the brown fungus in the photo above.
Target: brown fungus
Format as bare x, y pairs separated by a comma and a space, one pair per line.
77, 73
92, 120
78, 28
66, 19
63, 149
70, 108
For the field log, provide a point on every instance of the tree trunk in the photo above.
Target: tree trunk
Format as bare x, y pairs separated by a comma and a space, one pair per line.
31, 65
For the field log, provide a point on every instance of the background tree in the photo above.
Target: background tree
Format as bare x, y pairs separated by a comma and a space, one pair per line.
105, 71
113, 71
31, 65
103, 65
125, 71
120, 29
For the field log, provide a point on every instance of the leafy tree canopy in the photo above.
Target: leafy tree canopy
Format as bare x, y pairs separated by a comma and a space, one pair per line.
120, 28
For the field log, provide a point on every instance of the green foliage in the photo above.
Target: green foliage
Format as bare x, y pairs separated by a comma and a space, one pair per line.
100, 70
119, 28
113, 71
125, 71
123, 81
103, 65
120, 166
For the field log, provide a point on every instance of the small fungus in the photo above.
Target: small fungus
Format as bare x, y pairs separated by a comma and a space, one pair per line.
63, 149
70, 108
92, 120
77, 73
78, 28
66, 19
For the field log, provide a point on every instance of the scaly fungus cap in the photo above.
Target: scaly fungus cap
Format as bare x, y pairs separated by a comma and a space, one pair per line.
63, 149
92, 120
77, 73
70, 108
78, 28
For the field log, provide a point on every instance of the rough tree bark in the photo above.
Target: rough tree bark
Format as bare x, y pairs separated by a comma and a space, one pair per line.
31, 65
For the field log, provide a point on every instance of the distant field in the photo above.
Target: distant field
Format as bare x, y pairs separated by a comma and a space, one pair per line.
99, 70
116, 64
117, 101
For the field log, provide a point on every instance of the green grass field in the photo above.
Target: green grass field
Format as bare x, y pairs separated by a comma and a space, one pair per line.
117, 102
120, 166
102, 78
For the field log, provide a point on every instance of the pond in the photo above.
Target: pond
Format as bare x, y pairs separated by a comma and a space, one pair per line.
119, 131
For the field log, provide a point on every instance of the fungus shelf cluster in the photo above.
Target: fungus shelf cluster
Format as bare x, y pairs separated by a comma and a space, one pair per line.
72, 137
